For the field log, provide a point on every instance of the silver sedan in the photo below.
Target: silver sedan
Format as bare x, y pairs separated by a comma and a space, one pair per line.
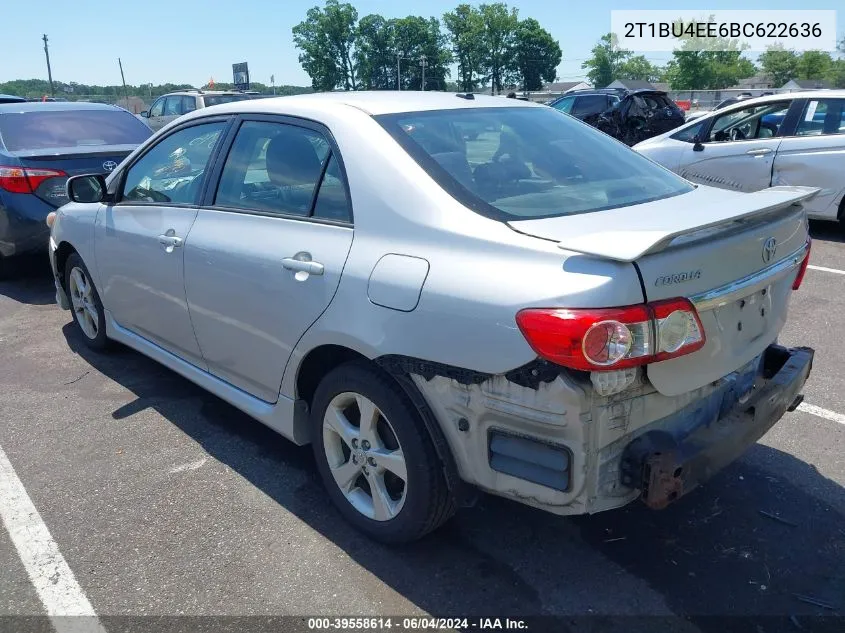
446, 294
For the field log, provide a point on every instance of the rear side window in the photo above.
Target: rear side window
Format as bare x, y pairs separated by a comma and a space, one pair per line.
277, 168
822, 116
532, 163
55, 129
590, 104
173, 106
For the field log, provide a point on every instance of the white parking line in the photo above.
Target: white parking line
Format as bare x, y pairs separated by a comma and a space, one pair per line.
826, 270
822, 413
48, 571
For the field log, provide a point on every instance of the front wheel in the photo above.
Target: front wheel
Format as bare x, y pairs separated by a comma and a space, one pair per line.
88, 313
375, 456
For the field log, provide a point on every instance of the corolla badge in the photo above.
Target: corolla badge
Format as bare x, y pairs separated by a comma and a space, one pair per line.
109, 165
770, 246
677, 278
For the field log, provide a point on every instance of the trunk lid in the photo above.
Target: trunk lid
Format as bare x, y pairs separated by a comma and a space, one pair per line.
72, 161
734, 255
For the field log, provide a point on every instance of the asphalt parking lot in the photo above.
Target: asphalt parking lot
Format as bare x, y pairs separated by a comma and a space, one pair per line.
164, 500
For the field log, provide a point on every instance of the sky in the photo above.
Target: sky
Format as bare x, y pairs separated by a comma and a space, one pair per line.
192, 41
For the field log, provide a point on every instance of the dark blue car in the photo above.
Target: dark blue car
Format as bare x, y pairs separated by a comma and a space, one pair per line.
41, 145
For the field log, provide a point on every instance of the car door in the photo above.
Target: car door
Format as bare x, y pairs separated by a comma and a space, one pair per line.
139, 240
738, 148
266, 252
814, 156
156, 115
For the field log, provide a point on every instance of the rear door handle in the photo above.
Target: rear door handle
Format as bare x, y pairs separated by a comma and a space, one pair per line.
303, 265
759, 152
170, 240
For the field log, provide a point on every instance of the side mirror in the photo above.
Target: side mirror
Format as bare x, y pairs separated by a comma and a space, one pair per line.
145, 114
697, 145
86, 188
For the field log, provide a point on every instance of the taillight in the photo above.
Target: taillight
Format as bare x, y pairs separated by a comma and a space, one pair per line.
613, 338
803, 269
25, 179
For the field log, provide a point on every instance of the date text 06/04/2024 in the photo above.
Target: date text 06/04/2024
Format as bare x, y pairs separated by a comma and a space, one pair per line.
415, 624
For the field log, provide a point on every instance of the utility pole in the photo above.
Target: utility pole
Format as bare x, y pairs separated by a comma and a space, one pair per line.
423, 63
49, 71
123, 79
398, 72
273, 83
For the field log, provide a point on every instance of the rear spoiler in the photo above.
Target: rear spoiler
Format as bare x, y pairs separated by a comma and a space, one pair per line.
78, 151
623, 235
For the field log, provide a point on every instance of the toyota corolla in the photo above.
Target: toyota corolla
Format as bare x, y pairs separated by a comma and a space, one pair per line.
445, 294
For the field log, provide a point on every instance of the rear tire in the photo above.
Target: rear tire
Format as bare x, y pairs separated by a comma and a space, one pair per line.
87, 309
383, 475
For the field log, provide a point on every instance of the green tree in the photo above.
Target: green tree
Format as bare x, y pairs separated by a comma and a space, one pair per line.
605, 61
779, 64
836, 74
375, 53
497, 39
638, 67
537, 55
465, 26
327, 40
813, 65
707, 63
420, 41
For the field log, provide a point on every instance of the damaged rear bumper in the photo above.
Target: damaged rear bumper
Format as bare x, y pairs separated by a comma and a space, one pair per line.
666, 463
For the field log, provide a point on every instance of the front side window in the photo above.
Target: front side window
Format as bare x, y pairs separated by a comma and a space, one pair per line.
533, 163
158, 108
689, 134
822, 116
276, 168
564, 105
213, 100
753, 122
171, 172
189, 104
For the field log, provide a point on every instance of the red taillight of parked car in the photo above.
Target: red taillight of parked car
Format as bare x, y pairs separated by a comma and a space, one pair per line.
613, 338
25, 179
803, 269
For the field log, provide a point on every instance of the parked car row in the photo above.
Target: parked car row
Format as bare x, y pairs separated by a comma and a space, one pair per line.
628, 115
787, 139
444, 294
41, 146
171, 106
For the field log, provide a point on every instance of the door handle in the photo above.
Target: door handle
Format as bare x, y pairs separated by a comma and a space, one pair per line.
170, 240
303, 265
759, 152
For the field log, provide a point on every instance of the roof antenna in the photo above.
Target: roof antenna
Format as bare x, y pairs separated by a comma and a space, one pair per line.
467, 95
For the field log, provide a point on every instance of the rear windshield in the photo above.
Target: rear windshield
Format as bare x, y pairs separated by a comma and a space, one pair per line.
528, 163
213, 100
70, 128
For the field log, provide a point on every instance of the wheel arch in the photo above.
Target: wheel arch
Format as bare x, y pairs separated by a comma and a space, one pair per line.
63, 251
324, 358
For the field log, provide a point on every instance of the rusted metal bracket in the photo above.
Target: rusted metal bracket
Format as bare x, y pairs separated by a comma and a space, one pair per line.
661, 480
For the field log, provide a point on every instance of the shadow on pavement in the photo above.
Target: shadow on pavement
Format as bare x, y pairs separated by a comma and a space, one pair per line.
828, 231
28, 279
712, 554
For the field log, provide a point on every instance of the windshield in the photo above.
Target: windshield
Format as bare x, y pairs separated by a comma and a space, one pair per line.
527, 163
70, 128
213, 100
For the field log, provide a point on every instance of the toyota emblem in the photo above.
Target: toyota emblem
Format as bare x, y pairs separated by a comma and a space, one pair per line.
769, 248
109, 165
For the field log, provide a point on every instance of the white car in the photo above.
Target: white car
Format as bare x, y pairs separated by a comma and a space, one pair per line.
445, 293
787, 139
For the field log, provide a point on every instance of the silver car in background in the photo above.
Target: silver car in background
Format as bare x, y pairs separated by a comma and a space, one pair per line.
445, 293
796, 138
